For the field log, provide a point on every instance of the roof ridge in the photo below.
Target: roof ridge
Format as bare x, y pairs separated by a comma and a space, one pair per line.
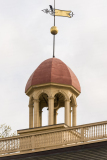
69, 73
51, 67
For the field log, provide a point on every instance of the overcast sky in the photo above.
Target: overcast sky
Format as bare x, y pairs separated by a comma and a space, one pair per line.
25, 42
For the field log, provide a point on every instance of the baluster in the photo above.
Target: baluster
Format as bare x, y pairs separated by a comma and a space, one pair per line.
96, 131
12, 144
82, 134
9, 145
56, 140
100, 130
88, 133
21, 143
70, 136
85, 133
36, 141
15, 143
103, 129
73, 137
42, 138
33, 142
39, 140
1, 146
60, 136
50, 138
26, 142
18, 143
92, 133
75, 134
46, 140
66, 135
6, 145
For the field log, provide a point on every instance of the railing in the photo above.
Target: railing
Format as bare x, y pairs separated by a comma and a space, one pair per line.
54, 139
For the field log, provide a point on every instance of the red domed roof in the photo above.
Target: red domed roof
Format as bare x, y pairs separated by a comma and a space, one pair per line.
53, 70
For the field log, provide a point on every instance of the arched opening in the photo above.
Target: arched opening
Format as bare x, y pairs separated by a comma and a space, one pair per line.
45, 116
60, 115
59, 104
43, 109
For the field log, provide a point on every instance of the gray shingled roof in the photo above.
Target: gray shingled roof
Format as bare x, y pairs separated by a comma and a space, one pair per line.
95, 151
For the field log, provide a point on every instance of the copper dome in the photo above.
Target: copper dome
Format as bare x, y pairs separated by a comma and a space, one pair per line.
53, 70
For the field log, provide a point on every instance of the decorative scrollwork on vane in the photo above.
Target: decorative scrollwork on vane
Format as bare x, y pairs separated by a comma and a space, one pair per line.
48, 11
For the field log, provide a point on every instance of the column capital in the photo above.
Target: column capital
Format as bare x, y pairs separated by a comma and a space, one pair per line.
67, 100
56, 113
36, 100
50, 97
73, 105
30, 105
40, 111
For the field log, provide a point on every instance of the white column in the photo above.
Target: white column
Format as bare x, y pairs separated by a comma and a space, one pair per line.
67, 112
31, 116
74, 115
36, 113
51, 110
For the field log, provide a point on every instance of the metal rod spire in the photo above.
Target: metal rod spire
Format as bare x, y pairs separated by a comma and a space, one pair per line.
54, 35
56, 12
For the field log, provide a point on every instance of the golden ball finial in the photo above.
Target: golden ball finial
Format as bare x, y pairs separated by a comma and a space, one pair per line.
54, 30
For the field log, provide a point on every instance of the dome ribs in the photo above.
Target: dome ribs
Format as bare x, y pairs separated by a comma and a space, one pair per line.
53, 70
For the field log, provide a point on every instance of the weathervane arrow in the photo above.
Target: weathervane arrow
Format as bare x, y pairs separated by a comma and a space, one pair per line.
56, 12
63, 13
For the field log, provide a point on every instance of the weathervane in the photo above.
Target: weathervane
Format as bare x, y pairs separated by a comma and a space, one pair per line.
56, 12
